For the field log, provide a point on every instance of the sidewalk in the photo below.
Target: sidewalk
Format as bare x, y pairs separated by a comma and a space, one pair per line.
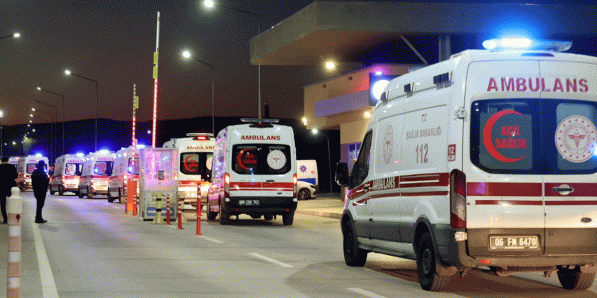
325, 205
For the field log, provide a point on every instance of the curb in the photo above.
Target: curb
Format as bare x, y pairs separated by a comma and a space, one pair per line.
321, 213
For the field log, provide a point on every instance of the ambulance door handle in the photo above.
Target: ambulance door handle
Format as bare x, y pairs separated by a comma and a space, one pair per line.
270, 180
366, 187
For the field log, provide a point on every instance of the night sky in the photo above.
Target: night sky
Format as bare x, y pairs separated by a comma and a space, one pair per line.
113, 42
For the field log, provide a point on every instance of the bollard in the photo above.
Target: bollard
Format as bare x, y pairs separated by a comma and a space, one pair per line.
199, 211
158, 211
135, 203
131, 195
179, 211
14, 208
168, 210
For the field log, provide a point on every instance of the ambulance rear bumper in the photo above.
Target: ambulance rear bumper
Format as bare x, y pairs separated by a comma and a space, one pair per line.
273, 205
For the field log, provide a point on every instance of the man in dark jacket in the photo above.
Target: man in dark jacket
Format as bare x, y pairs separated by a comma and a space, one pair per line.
39, 182
8, 174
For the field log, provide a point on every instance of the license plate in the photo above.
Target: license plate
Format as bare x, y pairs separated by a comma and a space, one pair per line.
248, 202
513, 242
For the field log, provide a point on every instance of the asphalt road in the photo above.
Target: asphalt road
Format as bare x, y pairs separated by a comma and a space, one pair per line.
90, 248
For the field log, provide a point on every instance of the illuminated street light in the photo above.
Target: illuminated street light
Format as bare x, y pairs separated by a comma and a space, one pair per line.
187, 55
69, 73
15, 35
314, 131
63, 110
33, 109
330, 65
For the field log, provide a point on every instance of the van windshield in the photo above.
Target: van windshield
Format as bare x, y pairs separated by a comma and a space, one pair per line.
534, 136
196, 163
71, 169
259, 159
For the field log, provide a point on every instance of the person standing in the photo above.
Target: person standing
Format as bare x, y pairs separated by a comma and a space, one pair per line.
8, 174
39, 182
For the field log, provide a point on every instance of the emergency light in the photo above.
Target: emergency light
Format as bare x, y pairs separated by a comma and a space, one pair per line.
80, 154
523, 43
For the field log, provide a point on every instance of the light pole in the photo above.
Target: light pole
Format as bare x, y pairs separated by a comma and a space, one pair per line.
314, 131
51, 128
63, 99
68, 73
210, 4
15, 35
1, 139
187, 55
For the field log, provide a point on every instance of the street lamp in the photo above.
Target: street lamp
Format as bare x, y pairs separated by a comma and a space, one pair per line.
187, 55
52, 156
210, 4
314, 132
15, 35
68, 73
63, 111
55, 118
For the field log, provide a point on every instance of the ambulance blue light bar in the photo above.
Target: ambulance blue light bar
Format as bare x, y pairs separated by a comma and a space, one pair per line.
523, 43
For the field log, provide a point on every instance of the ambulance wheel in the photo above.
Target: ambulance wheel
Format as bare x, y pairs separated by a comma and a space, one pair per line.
288, 218
224, 216
60, 190
89, 194
304, 194
51, 192
427, 265
353, 255
110, 197
210, 214
268, 217
121, 200
573, 279
80, 194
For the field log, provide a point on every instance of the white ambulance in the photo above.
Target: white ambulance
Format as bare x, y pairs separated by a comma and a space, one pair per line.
96, 173
195, 154
67, 174
14, 160
254, 172
25, 167
486, 159
125, 169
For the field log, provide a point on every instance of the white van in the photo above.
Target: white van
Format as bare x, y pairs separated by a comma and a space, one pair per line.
125, 169
96, 173
25, 167
67, 174
254, 172
195, 154
306, 170
486, 159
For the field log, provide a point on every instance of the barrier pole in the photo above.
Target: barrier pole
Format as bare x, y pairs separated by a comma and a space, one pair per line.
179, 211
135, 201
158, 211
14, 208
199, 210
168, 210
131, 195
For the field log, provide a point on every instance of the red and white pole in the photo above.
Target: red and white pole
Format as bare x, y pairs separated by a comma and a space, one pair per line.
199, 209
168, 210
14, 208
179, 211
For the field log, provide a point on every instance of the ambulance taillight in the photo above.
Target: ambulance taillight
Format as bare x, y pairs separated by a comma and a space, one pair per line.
226, 185
294, 185
457, 199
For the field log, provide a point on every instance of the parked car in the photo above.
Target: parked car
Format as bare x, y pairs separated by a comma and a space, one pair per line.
306, 190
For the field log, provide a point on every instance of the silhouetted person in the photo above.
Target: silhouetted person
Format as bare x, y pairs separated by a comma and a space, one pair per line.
39, 182
8, 174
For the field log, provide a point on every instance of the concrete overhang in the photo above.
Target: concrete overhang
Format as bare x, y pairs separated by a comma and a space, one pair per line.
342, 29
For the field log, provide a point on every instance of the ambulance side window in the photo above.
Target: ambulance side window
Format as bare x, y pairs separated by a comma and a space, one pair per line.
360, 169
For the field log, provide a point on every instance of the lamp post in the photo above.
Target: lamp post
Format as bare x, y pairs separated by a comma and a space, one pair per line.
187, 55
68, 73
51, 128
210, 4
314, 131
15, 35
63, 111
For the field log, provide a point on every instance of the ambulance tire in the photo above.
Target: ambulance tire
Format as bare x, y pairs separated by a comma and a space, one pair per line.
224, 216
427, 265
80, 194
304, 194
288, 218
89, 194
268, 217
121, 199
210, 214
51, 192
353, 255
110, 197
573, 279
60, 190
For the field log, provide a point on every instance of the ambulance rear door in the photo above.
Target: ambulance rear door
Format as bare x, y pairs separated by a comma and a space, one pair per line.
502, 159
569, 116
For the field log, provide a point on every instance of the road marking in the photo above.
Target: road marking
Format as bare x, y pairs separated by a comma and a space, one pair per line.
270, 260
45, 271
365, 293
210, 239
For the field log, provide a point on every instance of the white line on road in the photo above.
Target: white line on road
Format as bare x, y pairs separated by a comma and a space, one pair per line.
365, 293
45, 271
270, 260
210, 239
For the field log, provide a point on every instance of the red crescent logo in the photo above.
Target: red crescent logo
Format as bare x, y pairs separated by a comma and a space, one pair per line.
239, 160
186, 166
487, 136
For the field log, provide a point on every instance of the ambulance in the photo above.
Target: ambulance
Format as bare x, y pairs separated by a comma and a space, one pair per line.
254, 172
483, 160
195, 154
25, 167
96, 173
67, 174
14, 160
126, 169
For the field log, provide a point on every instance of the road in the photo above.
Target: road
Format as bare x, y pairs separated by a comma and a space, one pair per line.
90, 248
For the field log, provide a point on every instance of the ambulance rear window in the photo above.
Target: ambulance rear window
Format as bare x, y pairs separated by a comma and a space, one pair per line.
534, 136
260, 159
102, 168
71, 169
133, 166
196, 163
